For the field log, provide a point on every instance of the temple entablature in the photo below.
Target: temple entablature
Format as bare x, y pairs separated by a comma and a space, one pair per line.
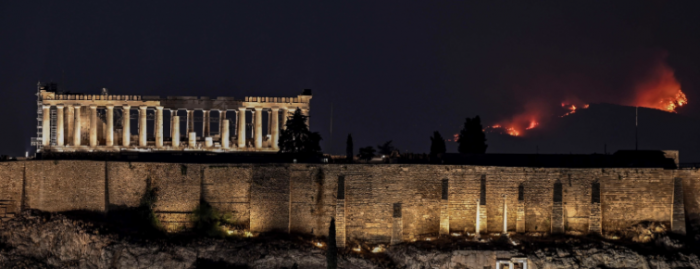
90, 122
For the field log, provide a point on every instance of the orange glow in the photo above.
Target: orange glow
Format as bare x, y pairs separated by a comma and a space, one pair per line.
533, 124
512, 131
455, 138
660, 90
571, 108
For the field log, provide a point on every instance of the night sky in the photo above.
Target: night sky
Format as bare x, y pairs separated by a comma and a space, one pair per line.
392, 70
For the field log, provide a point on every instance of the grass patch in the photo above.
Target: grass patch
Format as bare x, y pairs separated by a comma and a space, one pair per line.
146, 212
208, 220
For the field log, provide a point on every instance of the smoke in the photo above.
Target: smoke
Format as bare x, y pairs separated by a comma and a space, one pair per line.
642, 78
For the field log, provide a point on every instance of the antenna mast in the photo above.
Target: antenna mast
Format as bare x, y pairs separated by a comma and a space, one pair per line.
330, 148
636, 128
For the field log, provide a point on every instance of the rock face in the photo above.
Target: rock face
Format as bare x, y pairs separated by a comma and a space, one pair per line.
47, 241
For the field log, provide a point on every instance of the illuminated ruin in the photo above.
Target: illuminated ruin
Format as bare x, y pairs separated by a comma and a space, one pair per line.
104, 122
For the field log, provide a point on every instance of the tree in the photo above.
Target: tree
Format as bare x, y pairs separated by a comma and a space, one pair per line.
332, 248
349, 148
437, 144
366, 153
386, 148
296, 137
472, 138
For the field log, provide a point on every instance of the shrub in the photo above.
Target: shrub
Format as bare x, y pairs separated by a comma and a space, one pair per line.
207, 220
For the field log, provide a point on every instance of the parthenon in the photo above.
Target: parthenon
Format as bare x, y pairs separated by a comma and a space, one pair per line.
90, 122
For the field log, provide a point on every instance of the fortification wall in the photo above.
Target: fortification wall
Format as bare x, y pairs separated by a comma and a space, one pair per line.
11, 185
227, 188
632, 195
691, 201
380, 203
65, 185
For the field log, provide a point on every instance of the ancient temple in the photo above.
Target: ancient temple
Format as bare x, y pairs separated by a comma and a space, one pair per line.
105, 122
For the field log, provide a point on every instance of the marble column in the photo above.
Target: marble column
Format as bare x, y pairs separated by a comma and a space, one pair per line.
241, 128
285, 115
126, 126
159, 126
110, 126
173, 113
235, 122
59, 125
258, 128
69, 118
142, 126
76, 127
192, 140
224, 134
269, 122
275, 132
46, 126
176, 132
190, 121
93, 126
252, 125
222, 117
205, 123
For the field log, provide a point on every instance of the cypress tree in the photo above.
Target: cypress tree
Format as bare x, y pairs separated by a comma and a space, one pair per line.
296, 137
332, 249
437, 144
472, 138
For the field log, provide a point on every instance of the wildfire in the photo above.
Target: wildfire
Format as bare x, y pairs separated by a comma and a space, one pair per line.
513, 128
571, 108
660, 90
653, 86
533, 124
455, 138
512, 131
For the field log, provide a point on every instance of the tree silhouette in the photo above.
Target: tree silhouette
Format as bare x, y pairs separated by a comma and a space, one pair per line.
437, 144
349, 149
472, 138
332, 248
386, 148
366, 153
296, 137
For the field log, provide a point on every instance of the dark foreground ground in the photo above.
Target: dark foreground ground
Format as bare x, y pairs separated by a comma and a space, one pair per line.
41, 240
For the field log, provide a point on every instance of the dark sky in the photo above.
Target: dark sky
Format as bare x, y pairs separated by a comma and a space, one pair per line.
393, 70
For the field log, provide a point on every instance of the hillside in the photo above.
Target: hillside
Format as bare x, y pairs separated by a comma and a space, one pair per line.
608, 126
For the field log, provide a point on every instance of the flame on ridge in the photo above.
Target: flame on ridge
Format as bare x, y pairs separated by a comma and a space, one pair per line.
521, 123
660, 90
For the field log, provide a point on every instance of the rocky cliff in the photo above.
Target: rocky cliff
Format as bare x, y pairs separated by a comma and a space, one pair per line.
40, 240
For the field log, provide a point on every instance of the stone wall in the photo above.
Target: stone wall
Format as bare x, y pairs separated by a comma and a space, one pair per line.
425, 200
65, 185
691, 201
632, 195
11, 186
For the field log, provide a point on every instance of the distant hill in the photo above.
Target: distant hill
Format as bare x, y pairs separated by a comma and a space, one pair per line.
589, 130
